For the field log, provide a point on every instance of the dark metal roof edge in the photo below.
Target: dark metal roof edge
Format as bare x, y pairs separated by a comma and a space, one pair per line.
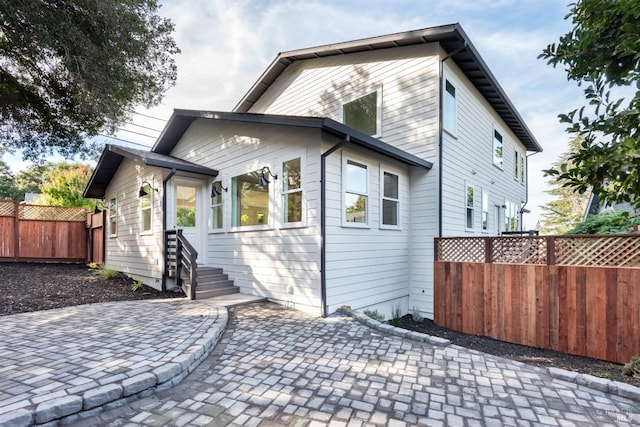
90, 183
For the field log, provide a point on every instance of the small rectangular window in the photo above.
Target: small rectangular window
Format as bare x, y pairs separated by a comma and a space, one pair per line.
185, 206
292, 191
511, 216
516, 169
390, 199
113, 217
250, 200
449, 121
469, 207
485, 211
497, 149
356, 193
362, 114
145, 209
522, 174
217, 208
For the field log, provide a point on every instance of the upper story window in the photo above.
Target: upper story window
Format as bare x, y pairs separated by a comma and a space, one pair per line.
145, 209
250, 200
497, 149
217, 207
522, 172
113, 217
469, 204
449, 111
292, 191
356, 195
390, 199
363, 114
516, 169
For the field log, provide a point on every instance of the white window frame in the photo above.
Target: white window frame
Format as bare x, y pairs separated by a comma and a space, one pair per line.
233, 204
361, 94
523, 165
448, 99
469, 207
113, 216
484, 219
219, 183
148, 208
284, 193
511, 211
499, 164
397, 226
516, 170
347, 190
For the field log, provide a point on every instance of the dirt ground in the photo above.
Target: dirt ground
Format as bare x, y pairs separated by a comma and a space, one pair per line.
26, 287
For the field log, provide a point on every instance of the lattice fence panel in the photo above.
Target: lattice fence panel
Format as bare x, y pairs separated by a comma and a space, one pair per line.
620, 251
461, 250
519, 250
7, 208
51, 213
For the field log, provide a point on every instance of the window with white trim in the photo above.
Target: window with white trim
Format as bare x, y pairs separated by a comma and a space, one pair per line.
511, 217
364, 113
250, 200
469, 205
516, 163
292, 191
449, 110
217, 207
390, 199
522, 170
356, 194
497, 149
485, 211
113, 217
145, 209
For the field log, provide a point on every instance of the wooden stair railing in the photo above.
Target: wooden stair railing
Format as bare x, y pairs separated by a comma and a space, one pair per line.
181, 257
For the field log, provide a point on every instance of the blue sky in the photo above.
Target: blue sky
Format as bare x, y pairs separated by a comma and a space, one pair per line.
227, 44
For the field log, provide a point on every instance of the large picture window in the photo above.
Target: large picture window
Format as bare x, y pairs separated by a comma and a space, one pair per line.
145, 209
217, 208
390, 199
356, 193
250, 200
363, 114
113, 217
497, 149
449, 120
292, 191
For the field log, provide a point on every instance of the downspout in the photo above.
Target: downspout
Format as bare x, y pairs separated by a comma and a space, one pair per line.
164, 227
441, 132
323, 227
526, 190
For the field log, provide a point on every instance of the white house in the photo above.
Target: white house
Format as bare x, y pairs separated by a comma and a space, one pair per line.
328, 182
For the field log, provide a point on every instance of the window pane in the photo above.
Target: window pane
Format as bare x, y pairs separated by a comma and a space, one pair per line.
390, 185
362, 114
450, 108
470, 196
250, 200
356, 177
186, 206
291, 172
216, 217
146, 220
293, 207
389, 212
356, 208
497, 149
469, 218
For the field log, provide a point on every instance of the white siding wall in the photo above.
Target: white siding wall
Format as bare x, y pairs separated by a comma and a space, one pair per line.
468, 157
281, 263
137, 254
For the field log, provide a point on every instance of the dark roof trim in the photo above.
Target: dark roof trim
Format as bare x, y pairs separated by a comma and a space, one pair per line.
182, 119
450, 37
111, 159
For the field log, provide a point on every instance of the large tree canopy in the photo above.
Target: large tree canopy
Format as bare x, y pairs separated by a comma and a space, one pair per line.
73, 68
602, 51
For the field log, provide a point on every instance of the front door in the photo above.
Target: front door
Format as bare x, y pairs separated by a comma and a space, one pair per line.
190, 215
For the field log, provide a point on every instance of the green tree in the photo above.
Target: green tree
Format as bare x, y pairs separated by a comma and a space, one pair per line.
568, 207
607, 223
30, 180
602, 51
64, 183
70, 69
7, 188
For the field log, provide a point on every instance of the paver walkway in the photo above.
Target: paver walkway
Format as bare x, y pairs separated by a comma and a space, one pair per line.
280, 367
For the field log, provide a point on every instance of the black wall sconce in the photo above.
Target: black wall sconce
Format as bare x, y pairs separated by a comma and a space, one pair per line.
99, 207
216, 190
143, 191
263, 179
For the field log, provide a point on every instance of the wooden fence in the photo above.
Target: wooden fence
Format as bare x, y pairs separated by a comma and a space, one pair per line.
45, 233
575, 294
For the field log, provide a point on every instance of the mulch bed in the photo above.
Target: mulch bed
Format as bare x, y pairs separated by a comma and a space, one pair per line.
26, 287
522, 353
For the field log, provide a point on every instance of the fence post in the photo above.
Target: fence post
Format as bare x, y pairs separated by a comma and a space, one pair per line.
487, 250
16, 230
551, 250
436, 252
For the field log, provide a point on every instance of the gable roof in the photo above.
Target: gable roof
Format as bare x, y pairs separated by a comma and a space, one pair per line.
113, 155
452, 39
181, 120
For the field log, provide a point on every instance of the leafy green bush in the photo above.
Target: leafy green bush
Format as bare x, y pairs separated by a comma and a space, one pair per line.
607, 223
109, 273
633, 367
137, 284
375, 315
